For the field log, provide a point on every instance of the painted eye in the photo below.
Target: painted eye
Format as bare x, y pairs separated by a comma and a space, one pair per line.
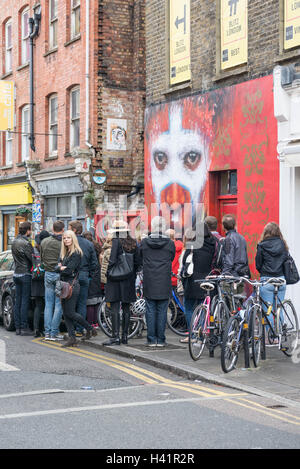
160, 160
192, 160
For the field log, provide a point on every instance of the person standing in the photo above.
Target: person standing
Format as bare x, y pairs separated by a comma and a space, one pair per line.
68, 268
202, 261
235, 257
22, 252
87, 270
94, 293
157, 252
120, 291
212, 224
38, 284
178, 252
50, 252
272, 252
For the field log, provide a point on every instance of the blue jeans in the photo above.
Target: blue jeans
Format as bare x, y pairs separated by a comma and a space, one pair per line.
53, 308
23, 292
156, 318
267, 294
189, 307
84, 282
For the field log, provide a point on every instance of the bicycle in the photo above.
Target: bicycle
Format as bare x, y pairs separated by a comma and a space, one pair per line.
209, 319
284, 327
176, 320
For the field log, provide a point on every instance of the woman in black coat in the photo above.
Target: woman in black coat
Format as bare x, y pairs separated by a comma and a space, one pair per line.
202, 259
37, 284
120, 291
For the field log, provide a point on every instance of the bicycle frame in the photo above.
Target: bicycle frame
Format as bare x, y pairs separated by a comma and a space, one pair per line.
177, 301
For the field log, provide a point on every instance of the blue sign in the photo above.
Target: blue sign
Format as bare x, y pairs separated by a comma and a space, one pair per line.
99, 176
36, 212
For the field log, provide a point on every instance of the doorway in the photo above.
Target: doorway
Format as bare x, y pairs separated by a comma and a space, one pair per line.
223, 195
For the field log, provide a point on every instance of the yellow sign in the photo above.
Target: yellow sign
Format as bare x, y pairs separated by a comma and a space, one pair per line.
15, 194
234, 33
180, 41
6, 105
291, 23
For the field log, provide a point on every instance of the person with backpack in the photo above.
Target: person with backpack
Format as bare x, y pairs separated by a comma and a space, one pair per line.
121, 291
201, 258
272, 252
235, 257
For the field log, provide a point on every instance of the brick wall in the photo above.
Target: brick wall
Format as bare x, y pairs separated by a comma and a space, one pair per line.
264, 47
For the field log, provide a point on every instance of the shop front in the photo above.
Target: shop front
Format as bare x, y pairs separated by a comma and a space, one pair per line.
15, 206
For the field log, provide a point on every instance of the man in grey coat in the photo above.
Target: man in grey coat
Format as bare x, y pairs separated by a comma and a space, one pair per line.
157, 252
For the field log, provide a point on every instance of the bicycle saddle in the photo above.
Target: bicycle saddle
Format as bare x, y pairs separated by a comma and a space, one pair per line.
207, 286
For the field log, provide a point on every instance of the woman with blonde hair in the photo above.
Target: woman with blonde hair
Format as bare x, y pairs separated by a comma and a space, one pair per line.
68, 268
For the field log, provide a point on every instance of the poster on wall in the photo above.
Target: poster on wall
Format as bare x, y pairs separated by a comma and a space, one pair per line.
180, 54
191, 141
234, 33
291, 24
6, 105
116, 134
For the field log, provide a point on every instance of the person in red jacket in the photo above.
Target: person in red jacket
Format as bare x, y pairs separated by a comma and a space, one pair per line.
178, 248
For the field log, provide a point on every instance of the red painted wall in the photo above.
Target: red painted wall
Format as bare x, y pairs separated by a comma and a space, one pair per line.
187, 141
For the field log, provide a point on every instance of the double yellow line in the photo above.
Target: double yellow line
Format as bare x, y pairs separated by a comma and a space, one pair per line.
150, 377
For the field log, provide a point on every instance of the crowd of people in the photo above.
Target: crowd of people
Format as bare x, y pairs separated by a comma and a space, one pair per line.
68, 273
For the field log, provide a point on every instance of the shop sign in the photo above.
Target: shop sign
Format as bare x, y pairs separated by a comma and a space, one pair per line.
291, 23
6, 105
99, 176
36, 212
234, 33
180, 41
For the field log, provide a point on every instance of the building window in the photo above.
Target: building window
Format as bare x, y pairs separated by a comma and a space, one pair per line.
25, 133
75, 18
53, 125
25, 36
53, 23
8, 149
75, 118
63, 206
8, 46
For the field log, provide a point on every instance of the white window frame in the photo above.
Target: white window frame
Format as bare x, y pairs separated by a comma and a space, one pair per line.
25, 126
75, 10
8, 148
24, 38
8, 47
53, 23
53, 126
74, 118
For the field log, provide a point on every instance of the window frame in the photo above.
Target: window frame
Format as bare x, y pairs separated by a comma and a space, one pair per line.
74, 11
8, 140
74, 119
52, 126
25, 144
8, 49
53, 24
24, 38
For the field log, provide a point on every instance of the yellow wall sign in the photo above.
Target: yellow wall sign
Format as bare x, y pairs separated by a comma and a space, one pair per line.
180, 38
15, 194
234, 33
6, 105
291, 23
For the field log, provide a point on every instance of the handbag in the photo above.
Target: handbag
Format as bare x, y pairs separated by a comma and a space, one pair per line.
123, 268
290, 271
64, 289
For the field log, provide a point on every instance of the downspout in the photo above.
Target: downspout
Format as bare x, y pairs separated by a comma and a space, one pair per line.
34, 26
87, 75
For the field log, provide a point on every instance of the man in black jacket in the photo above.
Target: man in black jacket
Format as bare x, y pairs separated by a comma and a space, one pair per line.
235, 257
157, 252
22, 252
88, 268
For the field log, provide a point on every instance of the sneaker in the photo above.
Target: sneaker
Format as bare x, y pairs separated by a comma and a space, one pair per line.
47, 337
150, 344
161, 345
55, 338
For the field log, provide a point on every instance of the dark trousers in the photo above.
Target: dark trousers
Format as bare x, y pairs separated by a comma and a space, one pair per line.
70, 315
23, 292
38, 311
156, 318
114, 310
81, 309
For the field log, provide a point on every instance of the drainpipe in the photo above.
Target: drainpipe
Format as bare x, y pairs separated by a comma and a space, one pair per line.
87, 74
34, 26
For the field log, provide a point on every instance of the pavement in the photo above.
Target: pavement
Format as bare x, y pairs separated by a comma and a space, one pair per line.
277, 377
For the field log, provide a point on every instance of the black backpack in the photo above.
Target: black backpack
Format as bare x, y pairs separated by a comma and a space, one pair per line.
290, 271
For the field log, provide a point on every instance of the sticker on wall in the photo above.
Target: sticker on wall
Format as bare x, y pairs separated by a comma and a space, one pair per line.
116, 134
116, 162
99, 176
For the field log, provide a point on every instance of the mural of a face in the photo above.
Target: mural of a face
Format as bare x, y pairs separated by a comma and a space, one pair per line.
179, 163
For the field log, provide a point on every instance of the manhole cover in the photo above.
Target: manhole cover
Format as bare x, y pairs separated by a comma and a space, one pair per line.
151, 349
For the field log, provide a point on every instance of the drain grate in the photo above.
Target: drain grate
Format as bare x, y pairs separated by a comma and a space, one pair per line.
155, 349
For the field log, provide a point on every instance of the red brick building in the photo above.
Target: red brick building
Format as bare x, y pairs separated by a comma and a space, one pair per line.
88, 81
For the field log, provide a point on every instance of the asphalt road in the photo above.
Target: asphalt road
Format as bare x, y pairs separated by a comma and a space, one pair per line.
82, 398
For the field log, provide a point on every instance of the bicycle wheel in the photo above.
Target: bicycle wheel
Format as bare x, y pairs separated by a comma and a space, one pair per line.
221, 317
230, 345
288, 328
176, 319
256, 332
198, 334
104, 319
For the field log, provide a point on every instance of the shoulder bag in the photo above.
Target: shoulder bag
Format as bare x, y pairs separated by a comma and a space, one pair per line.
123, 268
290, 271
